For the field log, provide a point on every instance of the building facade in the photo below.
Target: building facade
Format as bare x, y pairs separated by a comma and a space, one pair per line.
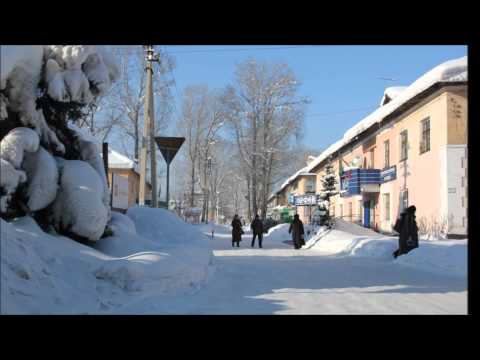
121, 165
411, 151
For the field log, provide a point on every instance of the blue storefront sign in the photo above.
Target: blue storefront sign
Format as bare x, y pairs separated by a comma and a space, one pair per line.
305, 200
389, 174
352, 180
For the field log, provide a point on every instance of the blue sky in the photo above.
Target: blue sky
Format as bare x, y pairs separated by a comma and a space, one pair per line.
342, 82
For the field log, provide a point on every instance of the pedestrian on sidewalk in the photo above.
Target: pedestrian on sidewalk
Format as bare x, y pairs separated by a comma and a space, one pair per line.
257, 229
237, 231
407, 229
297, 231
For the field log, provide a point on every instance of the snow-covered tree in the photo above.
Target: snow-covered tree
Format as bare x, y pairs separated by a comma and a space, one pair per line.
329, 188
265, 115
50, 168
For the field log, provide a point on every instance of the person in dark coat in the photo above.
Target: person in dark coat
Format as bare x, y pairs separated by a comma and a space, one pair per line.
257, 229
237, 231
407, 228
297, 231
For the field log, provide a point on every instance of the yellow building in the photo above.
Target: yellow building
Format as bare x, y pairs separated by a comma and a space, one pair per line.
124, 167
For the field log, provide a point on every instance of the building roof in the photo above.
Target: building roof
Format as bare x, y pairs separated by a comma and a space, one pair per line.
450, 72
119, 161
391, 93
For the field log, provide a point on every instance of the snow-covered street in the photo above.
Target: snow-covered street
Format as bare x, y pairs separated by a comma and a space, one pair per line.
372, 222
280, 280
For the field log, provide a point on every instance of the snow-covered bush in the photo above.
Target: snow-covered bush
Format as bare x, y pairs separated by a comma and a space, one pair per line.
44, 89
16, 143
42, 172
434, 228
10, 178
78, 208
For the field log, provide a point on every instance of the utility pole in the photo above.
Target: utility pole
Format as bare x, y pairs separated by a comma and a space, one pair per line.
209, 174
148, 132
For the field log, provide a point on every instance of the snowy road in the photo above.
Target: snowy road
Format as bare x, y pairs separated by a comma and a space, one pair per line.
280, 280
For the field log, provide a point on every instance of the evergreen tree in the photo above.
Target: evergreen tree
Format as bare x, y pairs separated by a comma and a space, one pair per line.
329, 189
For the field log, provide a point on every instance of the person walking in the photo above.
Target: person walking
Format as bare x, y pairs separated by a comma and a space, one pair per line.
257, 229
297, 231
237, 231
407, 229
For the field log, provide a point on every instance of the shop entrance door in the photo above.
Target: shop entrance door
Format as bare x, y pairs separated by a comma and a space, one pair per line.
366, 213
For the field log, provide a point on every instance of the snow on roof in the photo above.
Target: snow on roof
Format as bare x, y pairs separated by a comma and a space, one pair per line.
391, 93
449, 71
302, 172
119, 161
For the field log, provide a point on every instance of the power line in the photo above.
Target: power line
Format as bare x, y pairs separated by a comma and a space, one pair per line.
241, 49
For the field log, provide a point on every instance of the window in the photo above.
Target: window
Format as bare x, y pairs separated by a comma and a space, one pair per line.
371, 158
425, 138
386, 206
404, 145
386, 161
310, 185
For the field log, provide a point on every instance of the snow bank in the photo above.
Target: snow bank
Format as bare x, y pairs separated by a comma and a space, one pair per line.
161, 224
179, 257
445, 257
49, 274
347, 239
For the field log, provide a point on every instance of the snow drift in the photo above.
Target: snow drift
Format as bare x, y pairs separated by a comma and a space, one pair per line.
48, 274
447, 257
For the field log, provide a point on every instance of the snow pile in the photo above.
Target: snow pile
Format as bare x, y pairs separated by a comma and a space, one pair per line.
446, 256
43, 90
50, 274
348, 239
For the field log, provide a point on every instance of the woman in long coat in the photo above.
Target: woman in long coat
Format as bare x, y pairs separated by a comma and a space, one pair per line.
297, 231
407, 229
237, 231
